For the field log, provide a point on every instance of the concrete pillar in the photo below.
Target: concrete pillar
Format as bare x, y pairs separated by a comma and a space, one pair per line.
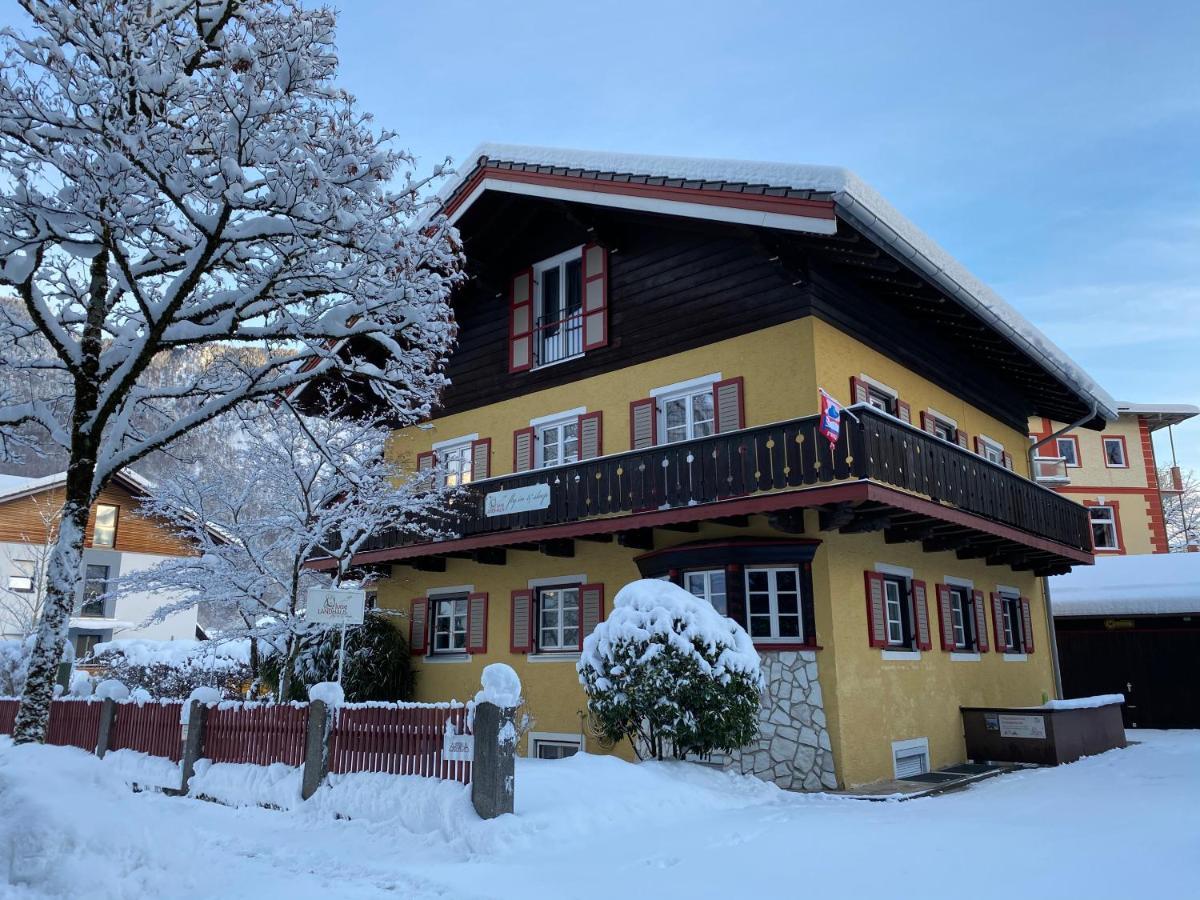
316, 749
492, 772
193, 742
108, 717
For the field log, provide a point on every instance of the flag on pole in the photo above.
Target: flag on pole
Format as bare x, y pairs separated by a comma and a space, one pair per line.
831, 418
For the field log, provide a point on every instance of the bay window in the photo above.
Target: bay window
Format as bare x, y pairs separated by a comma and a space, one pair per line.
773, 605
708, 585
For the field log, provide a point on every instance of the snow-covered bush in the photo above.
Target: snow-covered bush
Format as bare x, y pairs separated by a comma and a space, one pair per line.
378, 664
171, 670
671, 674
14, 663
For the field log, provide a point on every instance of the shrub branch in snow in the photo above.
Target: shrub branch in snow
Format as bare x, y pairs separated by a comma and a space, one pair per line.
297, 488
181, 175
671, 674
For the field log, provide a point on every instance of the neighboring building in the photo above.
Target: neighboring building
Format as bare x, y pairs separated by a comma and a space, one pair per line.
1131, 626
118, 541
1113, 473
635, 393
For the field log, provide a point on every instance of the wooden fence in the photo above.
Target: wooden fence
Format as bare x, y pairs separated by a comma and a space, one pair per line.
401, 740
256, 733
8, 715
151, 728
75, 723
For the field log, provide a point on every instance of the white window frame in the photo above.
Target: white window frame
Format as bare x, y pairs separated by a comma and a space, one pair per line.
773, 604
943, 419
550, 656
16, 577
442, 451
1007, 593
444, 595
706, 575
878, 387
560, 646
967, 654
908, 749
1104, 442
115, 525
892, 651
703, 387
1074, 442
553, 737
993, 450
555, 262
1111, 522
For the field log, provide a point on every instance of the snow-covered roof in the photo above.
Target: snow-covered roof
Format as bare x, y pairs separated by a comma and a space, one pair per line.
1158, 415
1144, 585
13, 486
855, 201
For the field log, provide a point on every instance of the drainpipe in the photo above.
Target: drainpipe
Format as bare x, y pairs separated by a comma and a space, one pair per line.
1054, 666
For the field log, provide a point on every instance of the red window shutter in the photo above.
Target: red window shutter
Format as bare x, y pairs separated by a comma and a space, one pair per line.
921, 616
477, 610
729, 404
876, 615
945, 615
998, 622
481, 459
903, 411
964, 439
928, 423
591, 609
591, 435
978, 445
520, 323
643, 424
417, 630
425, 461
523, 449
981, 635
595, 297
521, 622
859, 392
1026, 625
1008, 460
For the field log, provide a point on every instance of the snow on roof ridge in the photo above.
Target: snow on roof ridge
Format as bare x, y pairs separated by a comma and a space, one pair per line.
1140, 584
856, 201
34, 485
1181, 408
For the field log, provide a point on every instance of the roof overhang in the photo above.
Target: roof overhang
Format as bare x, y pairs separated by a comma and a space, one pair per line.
1159, 415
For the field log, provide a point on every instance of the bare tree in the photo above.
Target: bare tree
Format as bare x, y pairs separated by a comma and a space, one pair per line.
1181, 508
21, 603
185, 174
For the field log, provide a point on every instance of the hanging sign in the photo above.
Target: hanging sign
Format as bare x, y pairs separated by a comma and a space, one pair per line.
328, 606
518, 500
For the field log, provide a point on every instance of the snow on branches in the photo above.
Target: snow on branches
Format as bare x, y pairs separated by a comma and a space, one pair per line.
184, 175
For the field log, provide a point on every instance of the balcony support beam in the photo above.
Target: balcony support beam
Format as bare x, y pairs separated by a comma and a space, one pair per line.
558, 547
430, 564
835, 516
490, 556
905, 534
789, 521
637, 539
733, 521
864, 524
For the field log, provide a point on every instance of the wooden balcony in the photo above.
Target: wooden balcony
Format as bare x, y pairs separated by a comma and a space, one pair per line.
882, 475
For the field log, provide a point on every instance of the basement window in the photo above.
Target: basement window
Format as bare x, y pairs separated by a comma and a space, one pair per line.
910, 758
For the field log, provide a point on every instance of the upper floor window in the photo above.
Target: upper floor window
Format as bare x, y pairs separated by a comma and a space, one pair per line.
558, 442
773, 605
1068, 449
95, 586
85, 644
105, 532
688, 414
1114, 453
558, 307
455, 461
991, 450
897, 611
558, 618
1104, 527
1012, 626
881, 400
708, 585
963, 617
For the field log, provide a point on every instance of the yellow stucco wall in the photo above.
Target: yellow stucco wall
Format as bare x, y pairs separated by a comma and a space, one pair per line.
1093, 472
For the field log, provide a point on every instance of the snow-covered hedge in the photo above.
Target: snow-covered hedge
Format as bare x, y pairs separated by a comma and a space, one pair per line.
671, 674
171, 670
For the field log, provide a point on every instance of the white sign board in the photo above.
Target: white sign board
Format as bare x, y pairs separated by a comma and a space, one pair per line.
327, 606
458, 747
1022, 726
517, 500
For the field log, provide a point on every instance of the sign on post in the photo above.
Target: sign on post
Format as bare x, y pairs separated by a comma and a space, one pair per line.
518, 500
336, 606
458, 747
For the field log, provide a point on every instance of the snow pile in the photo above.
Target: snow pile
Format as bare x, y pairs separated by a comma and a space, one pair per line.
206, 695
111, 689
244, 784
82, 685
328, 692
180, 654
144, 770
501, 686
1084, 702
652, 609
1145, 585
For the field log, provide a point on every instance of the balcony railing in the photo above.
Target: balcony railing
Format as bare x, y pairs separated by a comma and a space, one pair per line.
773, 458
558, 339
1050, 470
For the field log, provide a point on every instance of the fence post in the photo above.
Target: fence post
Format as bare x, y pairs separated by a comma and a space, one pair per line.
494, 764
108, 716
193, 742
316, 748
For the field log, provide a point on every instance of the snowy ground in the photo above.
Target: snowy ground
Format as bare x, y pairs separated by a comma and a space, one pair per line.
1120, 825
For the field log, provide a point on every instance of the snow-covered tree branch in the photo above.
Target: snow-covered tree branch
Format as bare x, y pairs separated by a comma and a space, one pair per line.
297, 488
22, 598
183, 174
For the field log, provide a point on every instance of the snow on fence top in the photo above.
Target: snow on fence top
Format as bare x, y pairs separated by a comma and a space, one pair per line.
856, 202
1147, 585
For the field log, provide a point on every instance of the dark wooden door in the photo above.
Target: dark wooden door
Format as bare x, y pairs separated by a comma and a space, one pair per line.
1156, 668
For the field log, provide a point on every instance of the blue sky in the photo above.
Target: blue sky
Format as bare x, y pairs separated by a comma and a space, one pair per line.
1054, 148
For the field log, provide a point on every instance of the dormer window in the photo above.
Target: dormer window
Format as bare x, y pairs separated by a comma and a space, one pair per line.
558, 308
